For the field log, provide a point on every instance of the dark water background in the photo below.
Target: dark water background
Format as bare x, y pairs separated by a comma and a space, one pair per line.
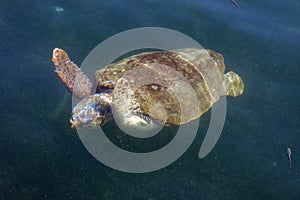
42, 158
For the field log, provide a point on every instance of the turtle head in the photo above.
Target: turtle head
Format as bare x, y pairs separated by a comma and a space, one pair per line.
92, 111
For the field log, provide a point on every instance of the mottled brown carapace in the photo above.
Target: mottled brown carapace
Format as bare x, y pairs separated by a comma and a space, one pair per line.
159, 79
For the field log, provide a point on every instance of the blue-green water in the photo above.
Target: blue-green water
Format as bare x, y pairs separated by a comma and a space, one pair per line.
42, 158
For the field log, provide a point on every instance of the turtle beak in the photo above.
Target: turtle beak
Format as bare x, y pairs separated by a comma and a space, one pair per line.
73, 123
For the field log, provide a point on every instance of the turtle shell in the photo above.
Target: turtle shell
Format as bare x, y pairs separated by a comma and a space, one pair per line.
174, 87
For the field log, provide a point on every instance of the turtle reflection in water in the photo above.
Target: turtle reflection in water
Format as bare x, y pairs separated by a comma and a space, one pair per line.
144, 88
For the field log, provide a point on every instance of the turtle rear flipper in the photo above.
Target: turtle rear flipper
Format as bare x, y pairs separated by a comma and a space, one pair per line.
234, 84
70, 74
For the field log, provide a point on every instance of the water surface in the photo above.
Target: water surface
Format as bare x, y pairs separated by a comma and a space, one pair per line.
42, 158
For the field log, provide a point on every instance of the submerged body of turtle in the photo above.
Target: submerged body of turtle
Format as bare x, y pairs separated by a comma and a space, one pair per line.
171, 87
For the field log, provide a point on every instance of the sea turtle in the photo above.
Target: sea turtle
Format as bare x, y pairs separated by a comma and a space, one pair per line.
148, 88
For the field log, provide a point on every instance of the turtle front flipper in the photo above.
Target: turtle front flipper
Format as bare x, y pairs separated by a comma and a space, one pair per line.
70, 74
234, 84
126, 110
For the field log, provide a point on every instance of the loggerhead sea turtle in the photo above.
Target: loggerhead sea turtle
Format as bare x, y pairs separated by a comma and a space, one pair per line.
144, 88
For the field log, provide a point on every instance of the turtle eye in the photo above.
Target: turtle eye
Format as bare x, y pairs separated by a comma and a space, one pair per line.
103, 112
102, 109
